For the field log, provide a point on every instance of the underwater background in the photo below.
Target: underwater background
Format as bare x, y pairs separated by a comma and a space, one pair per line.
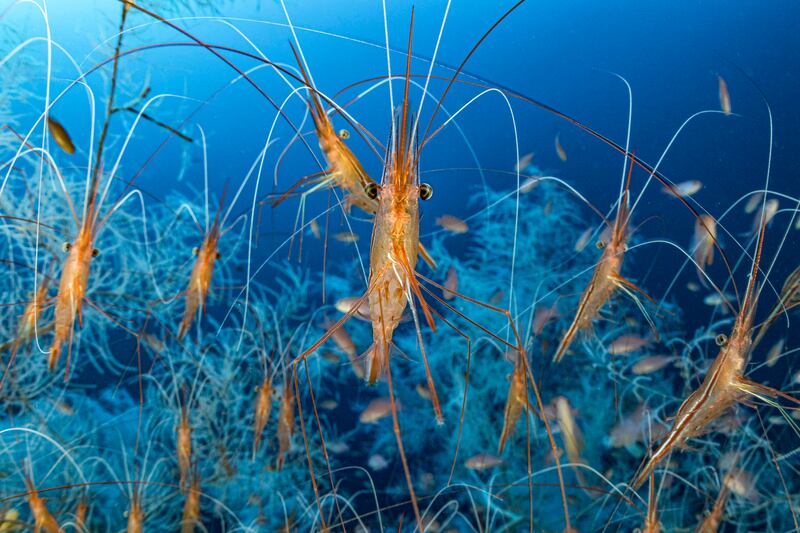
214, 317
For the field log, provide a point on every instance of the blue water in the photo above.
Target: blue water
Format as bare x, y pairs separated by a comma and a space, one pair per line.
106, 424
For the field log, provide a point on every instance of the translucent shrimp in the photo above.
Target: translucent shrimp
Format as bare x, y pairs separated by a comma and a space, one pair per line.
44, 521
723, 386
200, 278
285, 421
606, 278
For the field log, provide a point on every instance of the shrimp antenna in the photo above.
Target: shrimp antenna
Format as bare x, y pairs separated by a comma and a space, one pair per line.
461, 66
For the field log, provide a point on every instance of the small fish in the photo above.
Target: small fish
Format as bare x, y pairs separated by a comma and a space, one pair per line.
542, 316
314, 227
523, 162
337, 447
775, 353
497, 297
628, 431
548, 208
450, 284
797, 224
705, 235
769, 210
562, 155
377, 409
650, 364
753, 203
329, 405
625, 344
346, 236
571, 434
153, 342
724, 97
423, 391
344, 305
529, 184
60, 135
741, 483
377, 462
583, 240
64, 407
330, 357
692, 286
685, 189
483, 461
715, 299
452, 224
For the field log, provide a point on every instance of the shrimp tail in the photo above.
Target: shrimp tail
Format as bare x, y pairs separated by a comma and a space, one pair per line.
377, 357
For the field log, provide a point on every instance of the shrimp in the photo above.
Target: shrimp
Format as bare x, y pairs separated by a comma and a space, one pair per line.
344, 169
43, 519
190, 518
723, 386
517, 400
285, 421
606, 279
263, 408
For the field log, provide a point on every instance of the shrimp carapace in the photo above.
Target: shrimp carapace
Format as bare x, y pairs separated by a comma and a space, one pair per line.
44, 521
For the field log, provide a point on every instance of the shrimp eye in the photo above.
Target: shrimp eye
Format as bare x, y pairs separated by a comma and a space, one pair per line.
95, 252
219, 255
344, 134
721, 340
425, 191
372, 190
67, 246
600, 245
195, 250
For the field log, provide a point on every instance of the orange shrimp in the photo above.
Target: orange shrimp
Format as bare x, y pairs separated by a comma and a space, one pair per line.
344, 169
81, 512
73, 284
517, 400
27, 325
285, 421
713, 519
135, 515
200, 278
263, 408
723, 386
606, 279
43, 519
191, 507
184, 446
